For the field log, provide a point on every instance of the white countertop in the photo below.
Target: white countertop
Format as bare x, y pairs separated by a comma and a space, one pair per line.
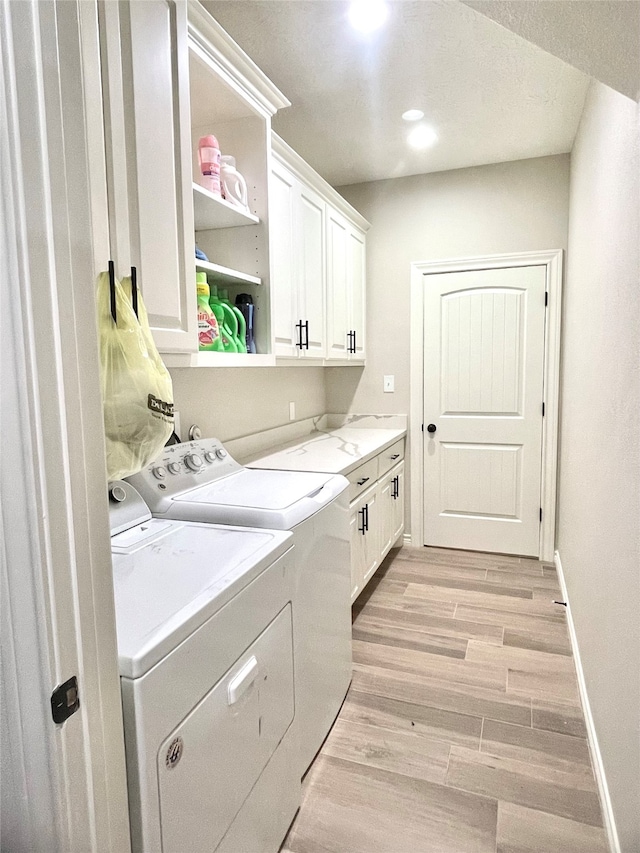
335, 451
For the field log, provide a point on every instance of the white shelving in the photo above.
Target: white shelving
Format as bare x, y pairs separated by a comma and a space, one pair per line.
225, 274
218, 359
212, 211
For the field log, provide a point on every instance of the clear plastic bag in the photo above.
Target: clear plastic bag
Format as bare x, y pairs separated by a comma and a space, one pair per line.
137, 392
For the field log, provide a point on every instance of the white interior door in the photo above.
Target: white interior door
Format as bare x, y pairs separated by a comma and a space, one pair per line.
483, 394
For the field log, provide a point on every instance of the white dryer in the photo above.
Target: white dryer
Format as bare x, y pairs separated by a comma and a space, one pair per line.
205, 637
199, 481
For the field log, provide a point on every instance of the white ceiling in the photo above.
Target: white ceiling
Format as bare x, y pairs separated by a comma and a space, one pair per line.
490, 95
600, 37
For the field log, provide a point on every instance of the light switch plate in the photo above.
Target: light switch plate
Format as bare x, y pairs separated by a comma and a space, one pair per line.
388, 385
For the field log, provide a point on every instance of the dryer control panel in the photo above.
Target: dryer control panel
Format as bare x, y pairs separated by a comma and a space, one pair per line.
181, 467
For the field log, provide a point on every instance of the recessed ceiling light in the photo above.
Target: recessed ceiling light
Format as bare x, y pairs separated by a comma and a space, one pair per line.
422, 136
413, 115
368, 15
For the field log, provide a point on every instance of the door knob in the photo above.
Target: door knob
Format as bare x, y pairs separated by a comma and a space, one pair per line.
431, 428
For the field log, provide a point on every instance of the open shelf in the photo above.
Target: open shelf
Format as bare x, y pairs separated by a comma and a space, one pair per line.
218, 272
211, 211
218, 359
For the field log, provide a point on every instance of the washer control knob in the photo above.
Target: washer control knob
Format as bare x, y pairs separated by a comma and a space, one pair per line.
159, 473
210, 456
117, 494
174, 467
221, 453
193, 462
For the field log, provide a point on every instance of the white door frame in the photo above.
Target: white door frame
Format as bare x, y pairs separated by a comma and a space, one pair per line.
552, 260
64, 786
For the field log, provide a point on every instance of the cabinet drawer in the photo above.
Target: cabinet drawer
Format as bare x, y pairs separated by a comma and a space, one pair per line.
390, 457
363, 477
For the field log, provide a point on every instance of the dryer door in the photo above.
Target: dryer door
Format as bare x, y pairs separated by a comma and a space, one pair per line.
211, 761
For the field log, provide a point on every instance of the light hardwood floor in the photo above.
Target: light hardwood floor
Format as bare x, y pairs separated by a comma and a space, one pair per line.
462, 731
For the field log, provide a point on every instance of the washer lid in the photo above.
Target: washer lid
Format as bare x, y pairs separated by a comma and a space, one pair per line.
276, 499
170, 577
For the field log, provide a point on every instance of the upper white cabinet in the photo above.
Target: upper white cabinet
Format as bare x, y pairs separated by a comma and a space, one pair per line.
171, 74
149, 161
297, 217
317, 265
346, 284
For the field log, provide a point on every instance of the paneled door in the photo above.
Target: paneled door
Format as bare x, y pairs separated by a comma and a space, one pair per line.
483, 396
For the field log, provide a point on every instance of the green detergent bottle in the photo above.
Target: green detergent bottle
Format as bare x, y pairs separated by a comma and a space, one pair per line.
209, 339
221, 312
241, 336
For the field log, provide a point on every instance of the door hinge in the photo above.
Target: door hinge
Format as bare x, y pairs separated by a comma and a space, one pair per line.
543, 409
546, 298
65, 700
540, 513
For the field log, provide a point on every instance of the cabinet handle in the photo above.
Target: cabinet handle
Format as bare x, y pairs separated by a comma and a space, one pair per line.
395, 456
306, 335
299, 337
112, 292
134, 290
349, 341
362, 529
366, 517
396, 488
362, 482
354, 341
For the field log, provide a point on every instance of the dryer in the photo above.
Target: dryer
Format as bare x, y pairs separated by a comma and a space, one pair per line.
200, 481
205, 650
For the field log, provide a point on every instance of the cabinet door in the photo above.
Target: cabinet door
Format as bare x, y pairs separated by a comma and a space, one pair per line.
397, 503
337, 285
310, 215
386, 513
357, 550
371, 501
282, 204
356, 267
147, 116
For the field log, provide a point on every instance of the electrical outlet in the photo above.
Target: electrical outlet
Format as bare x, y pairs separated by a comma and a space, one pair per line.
388, 385
292, 411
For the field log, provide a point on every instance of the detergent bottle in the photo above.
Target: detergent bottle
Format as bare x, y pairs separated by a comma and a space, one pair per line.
244, 304
209, 339
222, 315
241, 326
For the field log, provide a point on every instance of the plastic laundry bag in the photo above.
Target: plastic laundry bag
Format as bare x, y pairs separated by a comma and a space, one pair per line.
137, 392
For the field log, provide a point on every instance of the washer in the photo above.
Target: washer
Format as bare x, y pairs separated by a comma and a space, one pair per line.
199, 481
205, 650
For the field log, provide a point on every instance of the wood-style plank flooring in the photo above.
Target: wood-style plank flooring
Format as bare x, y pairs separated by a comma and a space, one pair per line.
462, 729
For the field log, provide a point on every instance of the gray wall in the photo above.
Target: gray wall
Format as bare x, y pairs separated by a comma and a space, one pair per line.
507, 207
232, 402
599, 506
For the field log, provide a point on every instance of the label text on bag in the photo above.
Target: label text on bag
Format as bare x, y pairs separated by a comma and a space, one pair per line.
159, 406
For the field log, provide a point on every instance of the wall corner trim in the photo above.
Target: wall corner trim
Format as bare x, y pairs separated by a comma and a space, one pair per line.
592, 737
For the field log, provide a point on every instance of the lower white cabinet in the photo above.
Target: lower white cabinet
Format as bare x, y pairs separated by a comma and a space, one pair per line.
377, 519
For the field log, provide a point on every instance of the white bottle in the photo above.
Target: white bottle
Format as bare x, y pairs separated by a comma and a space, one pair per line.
234, 186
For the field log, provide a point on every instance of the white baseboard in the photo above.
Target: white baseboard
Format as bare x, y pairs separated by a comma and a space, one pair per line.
406, 539
594, 748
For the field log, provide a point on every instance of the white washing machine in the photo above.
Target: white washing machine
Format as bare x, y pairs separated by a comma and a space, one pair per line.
205, 647
199, 481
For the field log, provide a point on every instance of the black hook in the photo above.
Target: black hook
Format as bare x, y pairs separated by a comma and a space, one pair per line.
134, 289
112, 291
